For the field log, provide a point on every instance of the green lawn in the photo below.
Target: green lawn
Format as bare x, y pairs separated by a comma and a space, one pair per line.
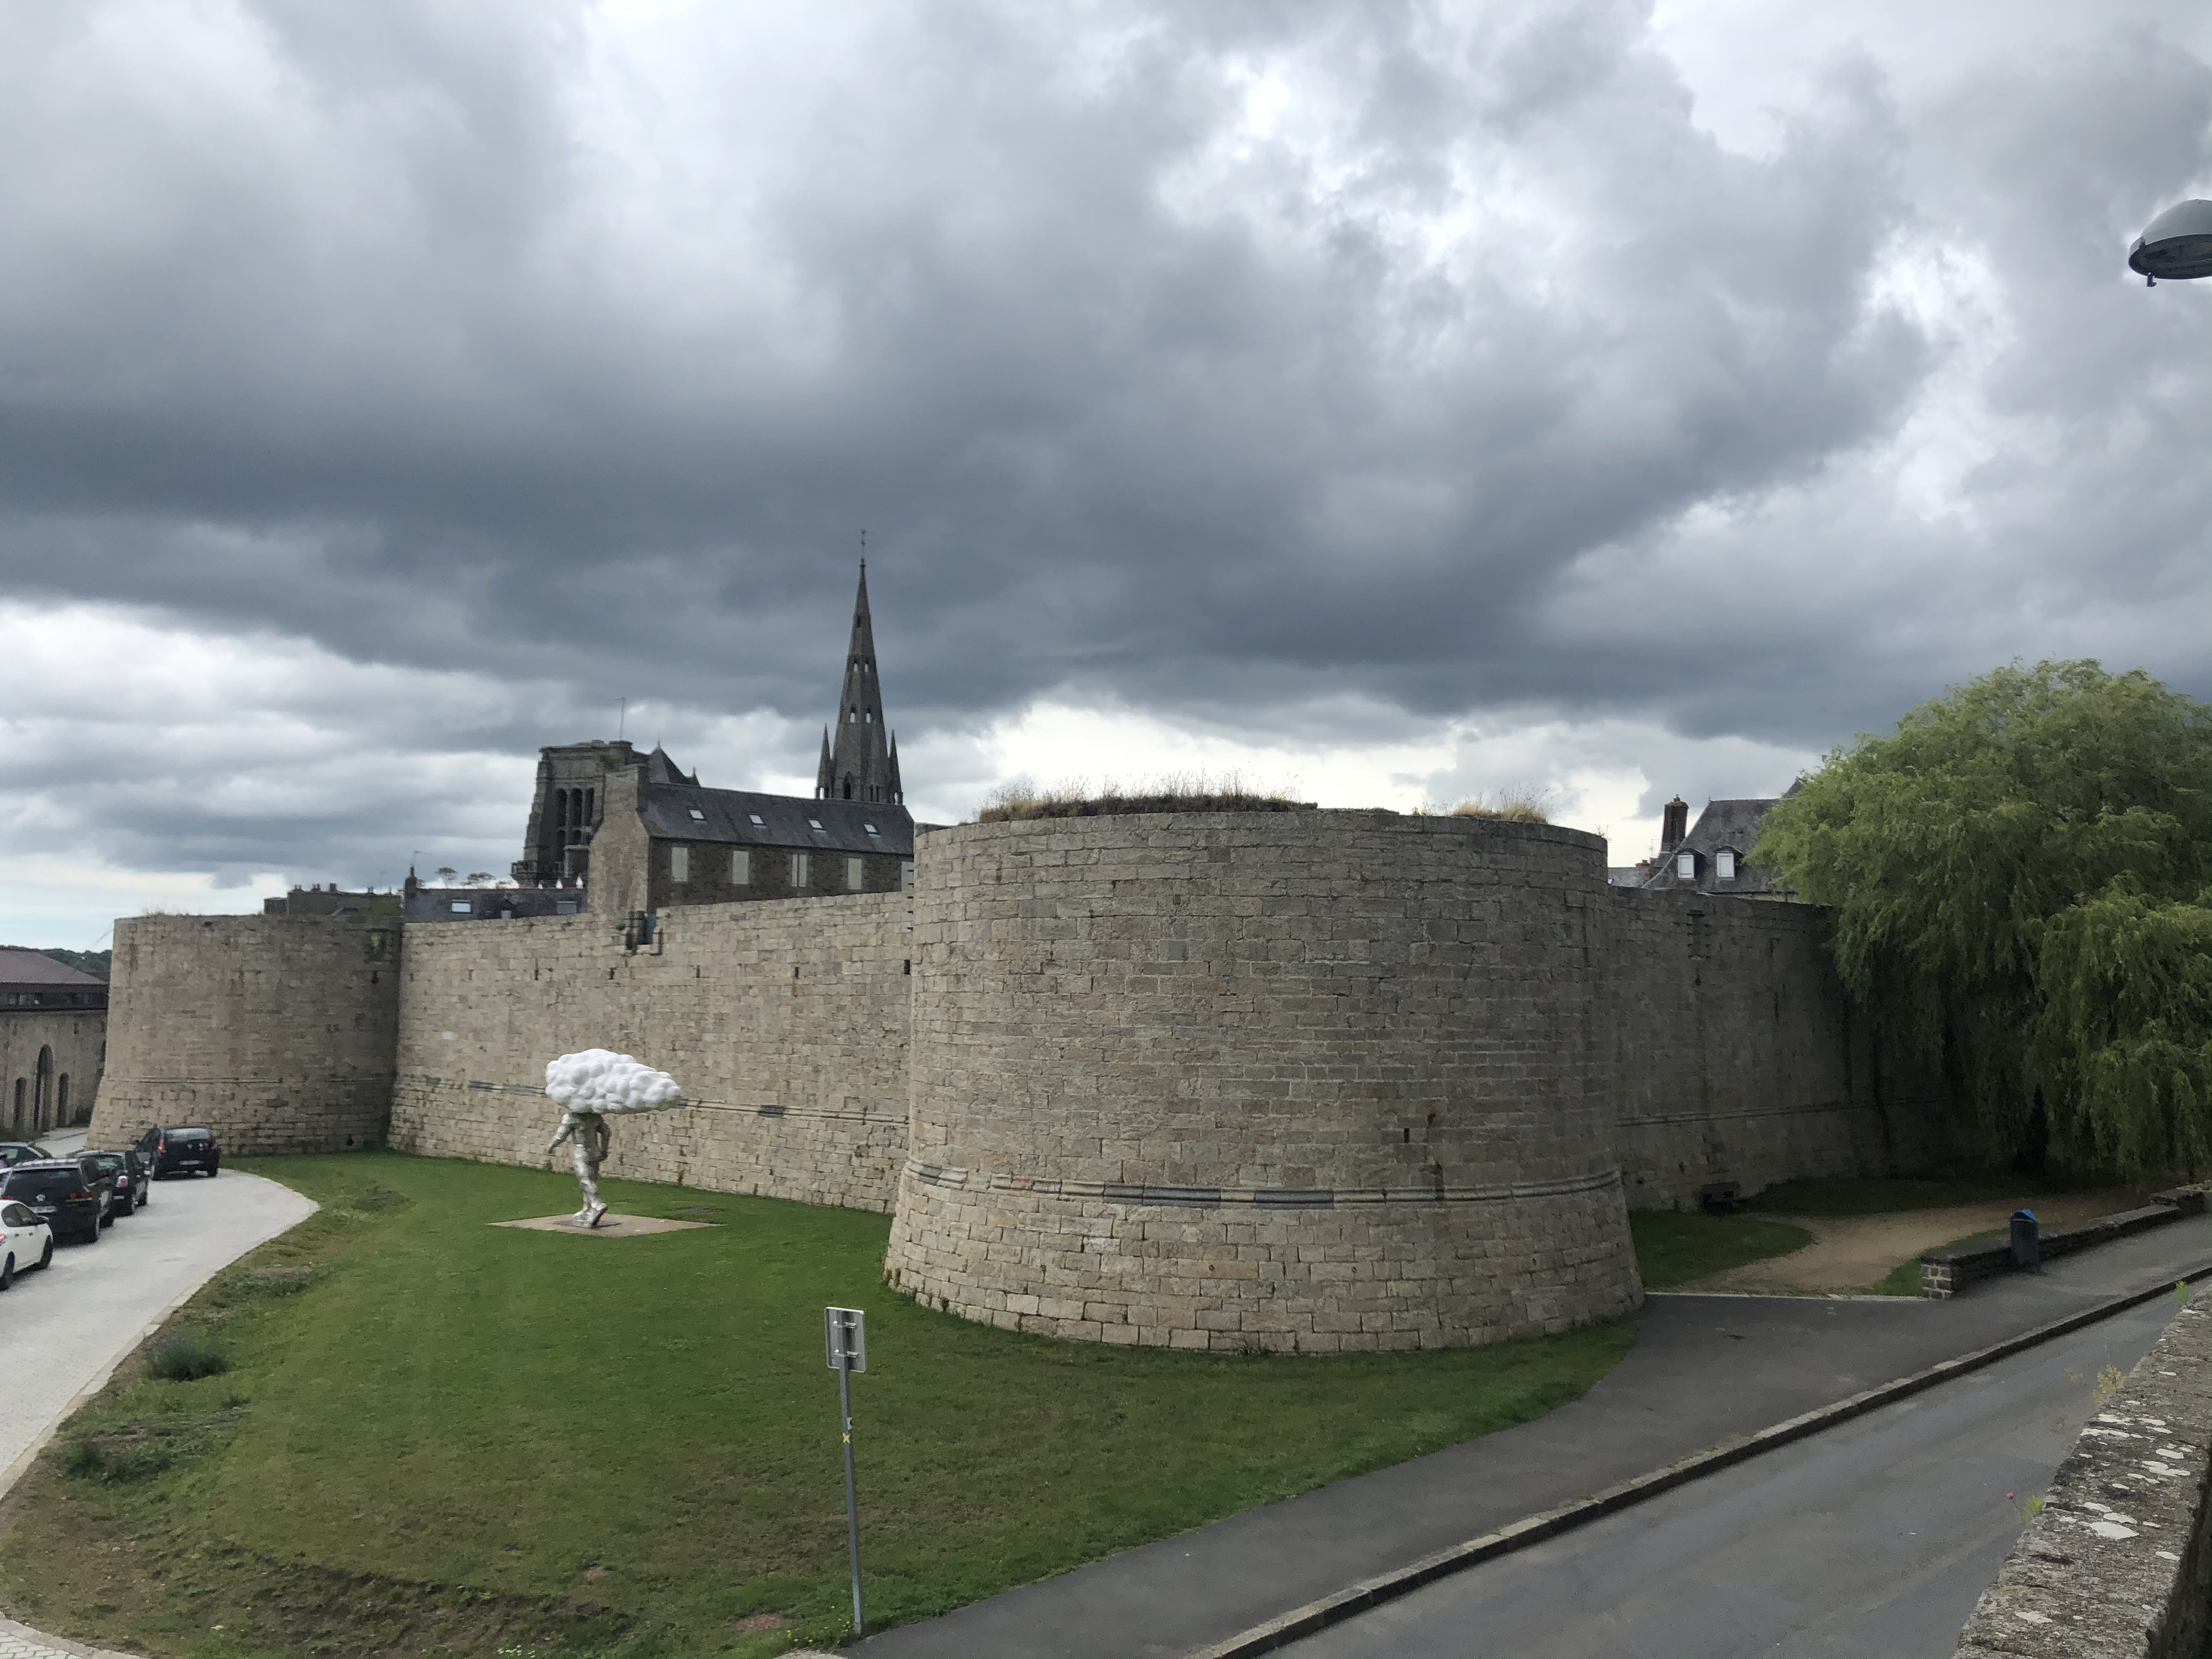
439, 1437
1672, 1247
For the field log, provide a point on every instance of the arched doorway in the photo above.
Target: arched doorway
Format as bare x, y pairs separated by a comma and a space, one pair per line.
42, 1089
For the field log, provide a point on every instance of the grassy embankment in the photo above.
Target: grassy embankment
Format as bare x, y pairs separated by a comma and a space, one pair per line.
1673, 1247
440, 1437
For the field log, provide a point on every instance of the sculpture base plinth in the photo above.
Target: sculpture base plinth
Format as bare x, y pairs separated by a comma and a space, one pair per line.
610, 1226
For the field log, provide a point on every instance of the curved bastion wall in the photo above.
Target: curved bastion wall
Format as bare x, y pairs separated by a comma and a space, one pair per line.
1301, 1081
277, 1033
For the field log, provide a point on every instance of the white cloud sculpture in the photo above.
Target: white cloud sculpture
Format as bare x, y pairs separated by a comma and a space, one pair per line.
602, 1081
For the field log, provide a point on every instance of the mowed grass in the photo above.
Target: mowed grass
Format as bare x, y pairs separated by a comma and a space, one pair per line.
1890, 1195
1673, 1247
435, 1436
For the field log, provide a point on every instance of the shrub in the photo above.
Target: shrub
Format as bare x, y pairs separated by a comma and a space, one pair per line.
95, 1460
186, 1357
1508, 806
1176, 793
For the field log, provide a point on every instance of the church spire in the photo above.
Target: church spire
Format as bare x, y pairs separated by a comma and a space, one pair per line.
863, 764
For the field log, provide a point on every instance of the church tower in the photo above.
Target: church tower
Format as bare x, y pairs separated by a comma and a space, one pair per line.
863, 762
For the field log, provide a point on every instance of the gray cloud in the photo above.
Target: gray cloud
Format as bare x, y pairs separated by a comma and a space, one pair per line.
1227, 364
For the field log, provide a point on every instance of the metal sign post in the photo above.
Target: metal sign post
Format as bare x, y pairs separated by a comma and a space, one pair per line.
845, 1341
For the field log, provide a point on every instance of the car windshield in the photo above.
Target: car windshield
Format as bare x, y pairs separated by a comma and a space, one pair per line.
110, 1162
182, 1137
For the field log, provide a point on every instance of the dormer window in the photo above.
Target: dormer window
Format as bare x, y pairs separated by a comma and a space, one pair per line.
1724, 865
1686, 865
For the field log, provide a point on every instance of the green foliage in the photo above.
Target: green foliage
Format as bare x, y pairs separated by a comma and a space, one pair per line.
2022, 878
95, 963
1673, 1248
186, 1357
1835, 1195
1170, 793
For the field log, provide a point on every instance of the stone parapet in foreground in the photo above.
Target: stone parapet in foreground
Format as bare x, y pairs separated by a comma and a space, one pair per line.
2118, 1562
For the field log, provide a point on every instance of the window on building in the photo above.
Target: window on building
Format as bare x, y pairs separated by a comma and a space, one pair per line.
815, 823
756, 817
856, 875
870, 829
61, 1098
1724, 865
699, 815
19, 1103
741, 868
1686, 865
802, 869
460, 907
564, 907
679, 864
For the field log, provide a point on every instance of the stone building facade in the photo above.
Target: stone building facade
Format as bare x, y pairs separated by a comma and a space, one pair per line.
53, 1043
1307, 1081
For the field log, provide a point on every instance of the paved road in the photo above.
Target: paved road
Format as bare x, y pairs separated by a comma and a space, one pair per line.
1869, 1540
81, 1315
1704, 1369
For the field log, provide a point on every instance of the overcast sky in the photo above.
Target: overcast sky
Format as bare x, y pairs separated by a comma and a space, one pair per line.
1388, 402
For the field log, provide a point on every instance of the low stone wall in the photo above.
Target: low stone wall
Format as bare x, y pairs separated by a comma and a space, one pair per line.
785, 1021
2119, 1562
1950, 1268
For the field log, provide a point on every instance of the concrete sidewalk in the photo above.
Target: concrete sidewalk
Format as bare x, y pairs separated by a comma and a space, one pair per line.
1704, 1369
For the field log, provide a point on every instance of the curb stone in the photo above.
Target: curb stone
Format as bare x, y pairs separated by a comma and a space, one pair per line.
1358, 1598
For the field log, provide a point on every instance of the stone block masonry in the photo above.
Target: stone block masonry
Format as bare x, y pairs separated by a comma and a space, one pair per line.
277, 1032
2119, 1565
785, 1021
1311, 1082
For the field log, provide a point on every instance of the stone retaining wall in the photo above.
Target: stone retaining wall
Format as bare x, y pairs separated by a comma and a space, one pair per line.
277, 1032
1294, 1081
786, 1021
2119, 1562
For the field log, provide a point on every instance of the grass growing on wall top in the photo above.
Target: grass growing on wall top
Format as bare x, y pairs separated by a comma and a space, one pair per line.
434, 1436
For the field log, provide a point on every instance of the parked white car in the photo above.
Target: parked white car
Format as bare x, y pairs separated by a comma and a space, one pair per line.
25, 1241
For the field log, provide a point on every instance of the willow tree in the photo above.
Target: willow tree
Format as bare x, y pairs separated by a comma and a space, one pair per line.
2021, 874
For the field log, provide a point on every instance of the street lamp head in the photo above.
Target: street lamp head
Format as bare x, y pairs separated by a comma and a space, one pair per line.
2176, 244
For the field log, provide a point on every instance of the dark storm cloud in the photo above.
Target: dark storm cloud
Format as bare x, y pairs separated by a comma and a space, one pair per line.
1232, 363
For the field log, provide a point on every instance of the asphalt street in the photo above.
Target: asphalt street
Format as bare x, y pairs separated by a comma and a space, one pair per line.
65, 1329
1869, 1540
1704, 1370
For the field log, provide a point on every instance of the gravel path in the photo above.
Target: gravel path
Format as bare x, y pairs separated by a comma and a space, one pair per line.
97, 1302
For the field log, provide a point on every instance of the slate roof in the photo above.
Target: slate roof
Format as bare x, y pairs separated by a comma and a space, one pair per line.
34, 969
1730, 824
726, 817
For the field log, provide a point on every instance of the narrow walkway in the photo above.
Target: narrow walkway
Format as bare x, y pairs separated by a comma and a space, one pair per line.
97, 1302
1704, 1370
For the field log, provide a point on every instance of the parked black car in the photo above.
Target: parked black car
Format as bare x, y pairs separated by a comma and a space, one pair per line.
71, 1195
126, 1172
179, 1149
20, 1152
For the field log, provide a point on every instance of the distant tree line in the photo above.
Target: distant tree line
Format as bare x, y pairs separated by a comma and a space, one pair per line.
2021, 875
95, 963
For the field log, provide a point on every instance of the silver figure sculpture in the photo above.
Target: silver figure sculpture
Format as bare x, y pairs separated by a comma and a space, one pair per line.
590, 1087
591, 1138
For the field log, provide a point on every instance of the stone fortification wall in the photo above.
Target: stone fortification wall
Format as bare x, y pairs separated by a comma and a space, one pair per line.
2119, 1561
277, 1032
1737, 1055
74, 1041
1311, 1081
786, 1020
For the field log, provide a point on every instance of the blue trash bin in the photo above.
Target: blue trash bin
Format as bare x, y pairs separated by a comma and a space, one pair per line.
2026, 1241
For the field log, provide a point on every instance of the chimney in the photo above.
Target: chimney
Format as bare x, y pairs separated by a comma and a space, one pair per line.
1674, 825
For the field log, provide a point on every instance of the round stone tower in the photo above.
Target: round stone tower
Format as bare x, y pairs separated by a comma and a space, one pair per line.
1300, 1081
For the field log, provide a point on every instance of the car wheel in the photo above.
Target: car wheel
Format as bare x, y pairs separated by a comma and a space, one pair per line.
107, 1218
92, 1233
46, 1256
7, 1272
215, 1172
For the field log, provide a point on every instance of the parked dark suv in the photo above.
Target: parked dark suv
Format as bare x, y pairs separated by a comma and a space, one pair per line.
69, 1194
180, 1149
126, 1173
